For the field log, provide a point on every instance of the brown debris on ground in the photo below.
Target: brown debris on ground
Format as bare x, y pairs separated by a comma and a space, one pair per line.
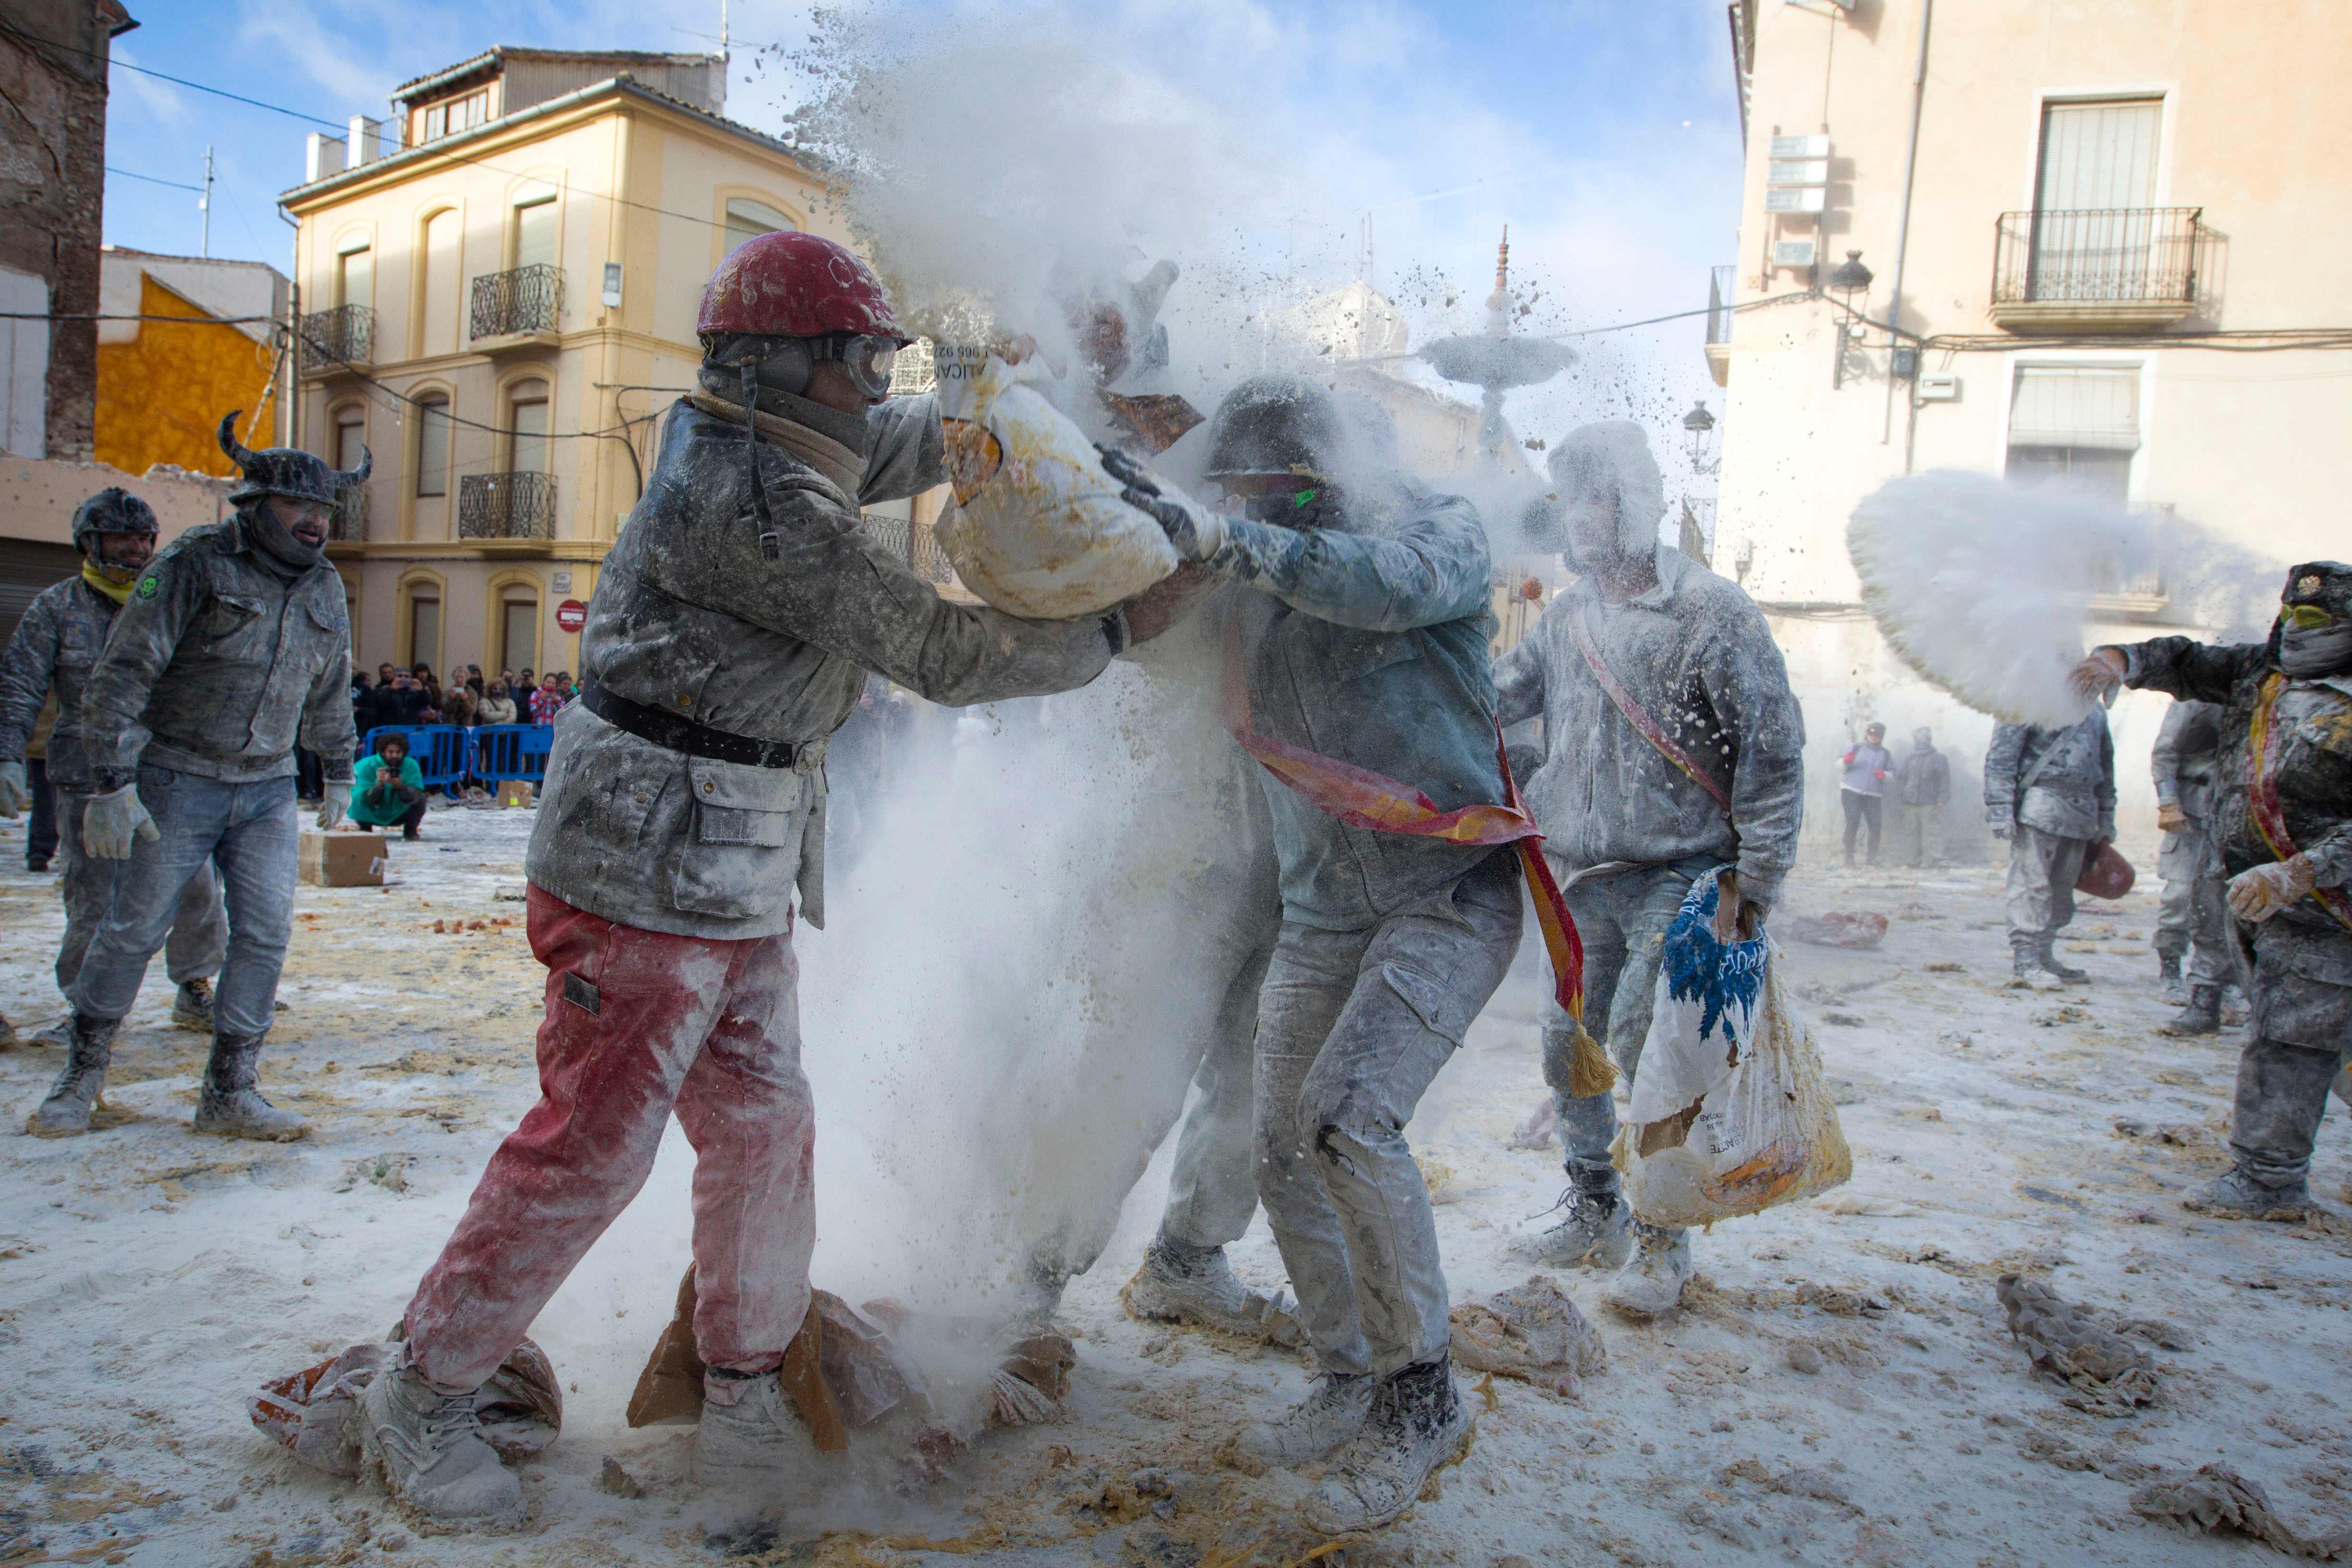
2218, 1500
2109, 1375
1533, 1333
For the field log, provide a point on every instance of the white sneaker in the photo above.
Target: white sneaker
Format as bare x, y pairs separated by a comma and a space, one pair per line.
1201, 1289
1419, 1423
1597, 1234
1653, 1282
429, 1447
751, 1434
1332, 1412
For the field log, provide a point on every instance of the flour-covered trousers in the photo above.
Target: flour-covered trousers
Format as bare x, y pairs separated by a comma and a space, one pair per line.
2298, 1028
1919, 834
245, 832
1353, 1025
640, 1024
2194, 907
2042, 867
199, 938
1622, 920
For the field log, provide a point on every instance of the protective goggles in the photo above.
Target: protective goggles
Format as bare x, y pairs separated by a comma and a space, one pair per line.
2305, 617
867, 358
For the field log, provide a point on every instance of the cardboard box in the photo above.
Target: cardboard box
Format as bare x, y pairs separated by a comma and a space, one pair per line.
516, 791
346, 858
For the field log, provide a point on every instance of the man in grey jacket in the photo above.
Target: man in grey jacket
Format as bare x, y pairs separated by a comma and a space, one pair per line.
234, 645
55, 647
2192, 922
732, 631
2050, 792
1363, 645
1711, 772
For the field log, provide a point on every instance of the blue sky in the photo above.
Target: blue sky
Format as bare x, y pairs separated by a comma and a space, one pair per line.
1605, 133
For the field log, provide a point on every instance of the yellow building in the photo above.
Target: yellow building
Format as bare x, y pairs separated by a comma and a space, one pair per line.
498, 291
2103, 228
161, 386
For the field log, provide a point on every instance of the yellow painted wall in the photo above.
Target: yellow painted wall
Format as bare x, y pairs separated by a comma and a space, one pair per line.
162, 394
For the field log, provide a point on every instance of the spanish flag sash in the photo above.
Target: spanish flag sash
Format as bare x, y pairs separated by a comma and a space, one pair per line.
2264, 744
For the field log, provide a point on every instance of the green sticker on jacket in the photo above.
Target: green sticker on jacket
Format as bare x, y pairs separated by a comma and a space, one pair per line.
148, 585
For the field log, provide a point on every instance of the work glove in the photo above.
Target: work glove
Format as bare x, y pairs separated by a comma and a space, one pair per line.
2259, 894
1196, 532
111, 820
330, 808
2098, 674
2170, 818
15, 791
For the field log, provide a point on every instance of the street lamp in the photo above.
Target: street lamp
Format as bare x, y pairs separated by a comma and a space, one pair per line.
1698, 438
1849, 278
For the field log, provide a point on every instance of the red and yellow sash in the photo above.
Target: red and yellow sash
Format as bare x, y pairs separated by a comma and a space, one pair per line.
1361, 798
2264, 744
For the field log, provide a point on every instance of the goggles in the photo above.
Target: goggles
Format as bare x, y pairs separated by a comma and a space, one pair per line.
868, 358
2304, 617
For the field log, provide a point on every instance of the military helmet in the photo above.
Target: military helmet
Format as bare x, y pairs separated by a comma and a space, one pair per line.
111, 510
288, 470
2326, 585
1276, 425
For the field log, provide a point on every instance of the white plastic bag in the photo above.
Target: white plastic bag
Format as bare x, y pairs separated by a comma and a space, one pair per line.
1730, 1112
1036, 527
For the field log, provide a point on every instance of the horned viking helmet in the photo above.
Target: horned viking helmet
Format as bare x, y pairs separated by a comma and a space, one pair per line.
288, 470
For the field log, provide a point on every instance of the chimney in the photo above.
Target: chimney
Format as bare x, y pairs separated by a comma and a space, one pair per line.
323, 158
364, 142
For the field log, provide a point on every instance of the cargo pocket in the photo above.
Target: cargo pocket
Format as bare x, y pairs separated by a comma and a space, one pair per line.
743, 852
1442, 1007
2306, 1000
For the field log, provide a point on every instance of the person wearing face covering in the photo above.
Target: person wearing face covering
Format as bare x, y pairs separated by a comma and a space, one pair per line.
2280, 820
233, 645
1673, 746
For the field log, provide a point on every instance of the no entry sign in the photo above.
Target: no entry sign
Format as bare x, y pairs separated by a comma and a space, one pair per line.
571, 615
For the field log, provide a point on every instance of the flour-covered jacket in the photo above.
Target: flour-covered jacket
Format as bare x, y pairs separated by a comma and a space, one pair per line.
765, 629
221, 662
1694, 653
56, 644
1371, 646
2182, 761
2071, 795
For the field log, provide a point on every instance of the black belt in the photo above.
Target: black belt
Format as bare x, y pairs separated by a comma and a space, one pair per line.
678, 733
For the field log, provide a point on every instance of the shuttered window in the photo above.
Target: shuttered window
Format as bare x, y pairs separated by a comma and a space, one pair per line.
2077, 424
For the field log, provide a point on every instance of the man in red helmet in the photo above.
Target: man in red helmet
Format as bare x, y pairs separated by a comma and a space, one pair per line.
732, 633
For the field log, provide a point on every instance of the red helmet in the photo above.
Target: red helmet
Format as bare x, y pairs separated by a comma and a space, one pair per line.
787, 284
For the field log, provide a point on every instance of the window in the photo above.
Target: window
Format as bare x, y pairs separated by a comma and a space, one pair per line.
351, 439
527, 417
2078, 425
2095, 223
535, 233
453, 115
355, 277
433, 445
425, 629
519, 635
749, 219
442, 262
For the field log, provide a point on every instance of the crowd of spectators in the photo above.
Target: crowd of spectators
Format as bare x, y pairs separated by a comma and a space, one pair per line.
398, 696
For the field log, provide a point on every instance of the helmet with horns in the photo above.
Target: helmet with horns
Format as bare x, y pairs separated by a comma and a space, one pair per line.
287, 470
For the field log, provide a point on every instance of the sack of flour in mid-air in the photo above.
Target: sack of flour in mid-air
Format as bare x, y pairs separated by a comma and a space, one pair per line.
1036, 528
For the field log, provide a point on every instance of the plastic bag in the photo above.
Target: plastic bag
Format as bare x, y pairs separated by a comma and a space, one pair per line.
313, 1413
1036, 528
1730, 1111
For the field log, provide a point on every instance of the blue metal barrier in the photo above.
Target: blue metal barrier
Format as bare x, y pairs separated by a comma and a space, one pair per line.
442, 751
503, 752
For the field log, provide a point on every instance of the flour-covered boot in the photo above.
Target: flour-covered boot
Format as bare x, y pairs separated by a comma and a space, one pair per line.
1653, 1283
2021, 969
429, 1447
1332, 1412
1597, 1234
1182, 1284
2046, 954
2201, 1017
230, 1105
1419, 1423
2239, 1195
191, 1008
2168, 976
89, 1043
751, 1434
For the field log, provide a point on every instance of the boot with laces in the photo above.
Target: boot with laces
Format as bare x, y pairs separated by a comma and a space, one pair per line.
751, 1434
429, 1447
1597, 1234
1332, 1412
191, 1008
1653, 1283
1419, 1423
2046, 955
230, 1105
1182, 1284
89, 1044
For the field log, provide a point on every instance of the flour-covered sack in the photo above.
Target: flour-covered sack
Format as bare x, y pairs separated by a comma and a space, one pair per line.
1731, 1114
1036, 528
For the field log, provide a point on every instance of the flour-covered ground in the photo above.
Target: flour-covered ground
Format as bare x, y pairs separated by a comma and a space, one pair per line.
149, 1279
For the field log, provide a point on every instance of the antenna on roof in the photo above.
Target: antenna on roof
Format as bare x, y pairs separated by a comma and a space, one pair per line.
723, 29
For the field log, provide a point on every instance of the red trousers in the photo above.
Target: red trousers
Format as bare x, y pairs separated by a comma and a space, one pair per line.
640, 1024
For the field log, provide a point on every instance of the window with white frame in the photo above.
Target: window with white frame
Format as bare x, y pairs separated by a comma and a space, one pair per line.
433, 445
747, 219
2078, 425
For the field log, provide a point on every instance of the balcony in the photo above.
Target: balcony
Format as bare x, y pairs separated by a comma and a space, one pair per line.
334, 340
515, 308
1722, 289
350, 522
2124, 269
515, 508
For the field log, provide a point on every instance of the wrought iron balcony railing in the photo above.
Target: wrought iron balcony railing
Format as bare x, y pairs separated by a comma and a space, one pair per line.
350, 521
914, 544
2124, 257
344, 335
506, 505
521, 299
